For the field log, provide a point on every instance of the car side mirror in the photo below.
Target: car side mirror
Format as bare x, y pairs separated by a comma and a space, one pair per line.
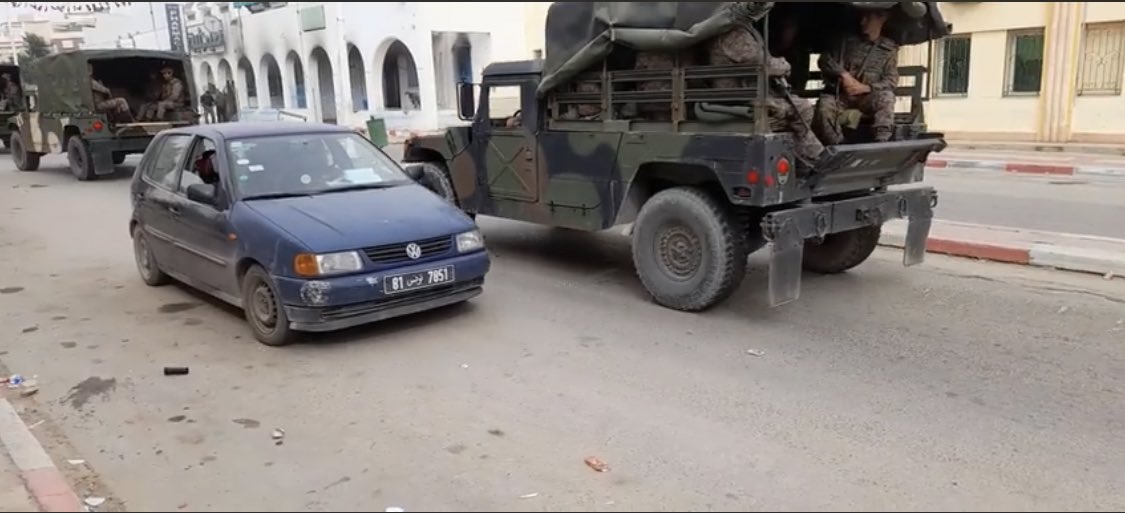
202, 193
466, 104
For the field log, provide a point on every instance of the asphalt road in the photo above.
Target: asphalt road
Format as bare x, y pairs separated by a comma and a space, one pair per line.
954, 385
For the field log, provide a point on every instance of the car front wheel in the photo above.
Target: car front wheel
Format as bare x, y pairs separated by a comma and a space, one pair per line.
264, 310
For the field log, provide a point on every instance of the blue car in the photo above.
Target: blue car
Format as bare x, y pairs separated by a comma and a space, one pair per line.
306, 227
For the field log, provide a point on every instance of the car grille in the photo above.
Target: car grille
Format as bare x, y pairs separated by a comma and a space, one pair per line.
421, 296
396, 253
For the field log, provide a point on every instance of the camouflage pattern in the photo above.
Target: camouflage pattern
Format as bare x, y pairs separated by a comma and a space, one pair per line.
658, 60
874, 63
171, 96
786, 112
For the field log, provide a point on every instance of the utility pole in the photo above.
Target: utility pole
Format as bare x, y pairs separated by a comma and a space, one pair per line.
155, 35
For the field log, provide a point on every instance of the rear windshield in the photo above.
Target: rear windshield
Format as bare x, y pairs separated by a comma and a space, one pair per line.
309, 164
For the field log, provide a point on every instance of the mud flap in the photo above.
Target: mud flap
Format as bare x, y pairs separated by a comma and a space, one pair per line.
103, 162
786, 258
920, 214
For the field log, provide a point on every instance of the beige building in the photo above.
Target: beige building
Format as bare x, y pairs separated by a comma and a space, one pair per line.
1012, 71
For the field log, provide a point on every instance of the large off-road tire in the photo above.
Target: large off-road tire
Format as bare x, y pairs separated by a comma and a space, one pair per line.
839, 252
265, 313
80, 158
25, 160
438, 180
147, 265
689, 249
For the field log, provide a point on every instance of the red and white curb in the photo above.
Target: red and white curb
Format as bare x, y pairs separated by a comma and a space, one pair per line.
1080, 253
44, 482
1025, 167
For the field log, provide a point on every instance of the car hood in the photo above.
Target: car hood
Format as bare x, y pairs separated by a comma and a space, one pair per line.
361, 219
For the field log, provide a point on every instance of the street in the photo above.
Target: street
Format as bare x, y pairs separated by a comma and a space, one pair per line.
953, 385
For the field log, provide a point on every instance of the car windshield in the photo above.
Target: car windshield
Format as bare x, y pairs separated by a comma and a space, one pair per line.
309, 164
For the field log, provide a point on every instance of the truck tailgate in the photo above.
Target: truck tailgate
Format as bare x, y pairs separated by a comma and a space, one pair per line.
859, 166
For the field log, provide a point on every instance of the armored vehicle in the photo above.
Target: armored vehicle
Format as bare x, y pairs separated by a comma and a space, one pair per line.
712, 183
60, 109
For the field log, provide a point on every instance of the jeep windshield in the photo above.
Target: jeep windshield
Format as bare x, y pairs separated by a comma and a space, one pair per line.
309, 164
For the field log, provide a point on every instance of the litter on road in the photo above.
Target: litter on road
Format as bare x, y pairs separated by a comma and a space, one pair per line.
597, 464
175, 371
755, 352
529, 496
278, 436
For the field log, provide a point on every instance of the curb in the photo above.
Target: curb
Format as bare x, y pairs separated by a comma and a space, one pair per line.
1025, 167
1036, 254
44, 482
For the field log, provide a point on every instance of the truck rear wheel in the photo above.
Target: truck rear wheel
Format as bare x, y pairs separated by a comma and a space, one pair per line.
25, 160
689, 249
839, 252
80, 159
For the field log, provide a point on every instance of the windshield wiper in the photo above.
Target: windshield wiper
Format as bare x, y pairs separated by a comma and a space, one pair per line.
359, 187
276, 195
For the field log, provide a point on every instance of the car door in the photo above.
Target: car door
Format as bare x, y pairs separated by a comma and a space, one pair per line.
157, 199
510, 153
203, 230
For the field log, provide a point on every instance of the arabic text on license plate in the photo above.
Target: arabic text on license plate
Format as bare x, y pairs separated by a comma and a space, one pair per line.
417, 280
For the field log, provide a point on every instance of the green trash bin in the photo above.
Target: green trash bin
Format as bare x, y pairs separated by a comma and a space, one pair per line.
377, 131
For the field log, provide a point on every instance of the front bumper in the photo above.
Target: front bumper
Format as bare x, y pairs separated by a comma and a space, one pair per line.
336, 303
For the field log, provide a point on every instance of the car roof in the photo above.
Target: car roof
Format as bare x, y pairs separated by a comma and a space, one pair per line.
244, 129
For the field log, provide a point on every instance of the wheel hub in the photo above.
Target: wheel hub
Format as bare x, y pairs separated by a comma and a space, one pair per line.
680, 251
264, 308
143, 257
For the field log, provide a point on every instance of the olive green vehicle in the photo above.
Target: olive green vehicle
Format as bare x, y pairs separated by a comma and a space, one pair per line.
12, 106
59, 113
704, 189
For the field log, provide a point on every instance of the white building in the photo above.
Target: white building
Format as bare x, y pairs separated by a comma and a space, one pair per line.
343, 62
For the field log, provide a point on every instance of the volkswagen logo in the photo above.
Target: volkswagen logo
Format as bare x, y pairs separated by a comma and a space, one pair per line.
413, 251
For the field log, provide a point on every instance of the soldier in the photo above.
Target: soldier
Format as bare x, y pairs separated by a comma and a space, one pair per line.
152, 97
173, 94
207, 100
104, 100
745, 45
657, 60
860, 74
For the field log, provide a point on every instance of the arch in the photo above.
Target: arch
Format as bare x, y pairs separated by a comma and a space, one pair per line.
325, 84
297, 71
225, 74
206, 74
275, 96
247, 83
400, 79
357, 74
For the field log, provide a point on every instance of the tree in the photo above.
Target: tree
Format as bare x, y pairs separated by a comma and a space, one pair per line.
36, 47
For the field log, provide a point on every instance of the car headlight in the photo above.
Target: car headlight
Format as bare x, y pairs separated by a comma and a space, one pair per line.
469, 241
308, 264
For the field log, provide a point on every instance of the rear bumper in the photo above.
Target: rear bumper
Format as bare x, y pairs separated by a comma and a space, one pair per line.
787, 230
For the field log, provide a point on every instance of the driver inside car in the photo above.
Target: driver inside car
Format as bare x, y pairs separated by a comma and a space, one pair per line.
204, 167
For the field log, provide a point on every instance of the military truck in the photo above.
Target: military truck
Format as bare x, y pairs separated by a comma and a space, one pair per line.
703, 189
60, 113
9, 103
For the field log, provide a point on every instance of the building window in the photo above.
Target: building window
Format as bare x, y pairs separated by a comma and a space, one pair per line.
1025, 62
952, 65
1103, 47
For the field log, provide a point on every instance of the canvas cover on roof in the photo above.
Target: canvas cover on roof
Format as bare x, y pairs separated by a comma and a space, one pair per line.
581, 34
64, 86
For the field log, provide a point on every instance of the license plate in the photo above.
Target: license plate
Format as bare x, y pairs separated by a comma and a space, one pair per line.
417, 280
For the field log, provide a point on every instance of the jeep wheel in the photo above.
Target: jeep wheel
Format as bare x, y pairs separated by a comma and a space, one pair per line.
146, 261
264, 310
839, 252
80, 159
689, 249
438, 181
25, 160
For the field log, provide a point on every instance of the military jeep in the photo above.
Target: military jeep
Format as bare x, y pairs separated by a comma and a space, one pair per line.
11, 105
59, 111
702, 189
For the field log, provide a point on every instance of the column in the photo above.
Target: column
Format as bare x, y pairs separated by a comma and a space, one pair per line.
1063, 40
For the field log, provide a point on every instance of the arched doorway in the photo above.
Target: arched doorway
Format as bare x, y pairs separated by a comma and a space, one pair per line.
225, 73
275, 95
326, 86
400, 79
293, 62
206, 74
463, 72
358, 77
249, 83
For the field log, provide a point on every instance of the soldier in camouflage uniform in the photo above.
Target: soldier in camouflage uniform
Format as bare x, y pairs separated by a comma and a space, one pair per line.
860, 74
104, 100
658, 60
745, 45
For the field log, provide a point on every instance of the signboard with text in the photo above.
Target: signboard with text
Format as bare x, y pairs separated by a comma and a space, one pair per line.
206, 37
175, 27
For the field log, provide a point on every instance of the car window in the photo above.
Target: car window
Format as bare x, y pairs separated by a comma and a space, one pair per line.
200, 164
309, 164
163, 169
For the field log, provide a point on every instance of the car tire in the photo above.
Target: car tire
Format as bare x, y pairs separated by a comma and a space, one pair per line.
690, 251
839, 252
437, 179
263, 308
25, 160
147, 265
80, 158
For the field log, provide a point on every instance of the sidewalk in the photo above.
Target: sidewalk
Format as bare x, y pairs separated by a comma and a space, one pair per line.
29, 480
1028, 162
1082, 253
